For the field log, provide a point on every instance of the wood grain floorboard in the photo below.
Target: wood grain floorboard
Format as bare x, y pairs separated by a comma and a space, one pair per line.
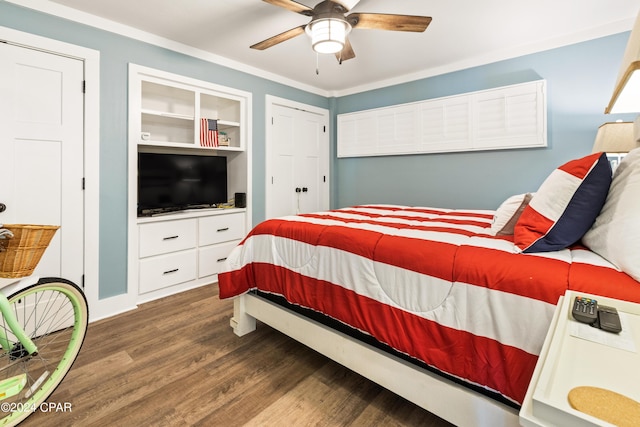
176, 362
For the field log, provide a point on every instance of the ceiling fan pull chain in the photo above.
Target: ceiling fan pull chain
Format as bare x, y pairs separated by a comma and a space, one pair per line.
317, 63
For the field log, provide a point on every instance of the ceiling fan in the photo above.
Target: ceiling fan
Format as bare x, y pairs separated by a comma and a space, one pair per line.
330, 26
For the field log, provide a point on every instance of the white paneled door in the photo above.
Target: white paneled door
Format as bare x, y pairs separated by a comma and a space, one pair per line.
41, 151
298, 162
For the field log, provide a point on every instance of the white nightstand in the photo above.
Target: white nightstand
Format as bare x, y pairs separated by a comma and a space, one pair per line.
566, 361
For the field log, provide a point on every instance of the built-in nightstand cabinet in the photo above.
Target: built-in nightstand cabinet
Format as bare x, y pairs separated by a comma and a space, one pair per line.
175, 252
578, 355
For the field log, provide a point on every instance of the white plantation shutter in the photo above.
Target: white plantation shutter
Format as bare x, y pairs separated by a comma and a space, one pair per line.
361, 132
509, 116
397, 130
506, 117
446, 124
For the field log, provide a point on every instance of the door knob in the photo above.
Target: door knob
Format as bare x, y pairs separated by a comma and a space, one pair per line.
3, 207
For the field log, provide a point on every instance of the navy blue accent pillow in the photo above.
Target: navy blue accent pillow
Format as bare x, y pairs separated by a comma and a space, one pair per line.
565, 206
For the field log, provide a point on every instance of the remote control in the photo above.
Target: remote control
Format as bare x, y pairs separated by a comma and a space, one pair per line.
608, 319
585, 310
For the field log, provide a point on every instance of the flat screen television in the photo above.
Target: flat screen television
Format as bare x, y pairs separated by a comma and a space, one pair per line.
172, 182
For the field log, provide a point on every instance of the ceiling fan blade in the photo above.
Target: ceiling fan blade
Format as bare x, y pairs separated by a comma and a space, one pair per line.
292, 5
346, 52
347, 4
381, 21
272, 41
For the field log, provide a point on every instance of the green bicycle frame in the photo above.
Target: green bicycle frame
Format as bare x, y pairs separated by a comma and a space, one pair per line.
15, 327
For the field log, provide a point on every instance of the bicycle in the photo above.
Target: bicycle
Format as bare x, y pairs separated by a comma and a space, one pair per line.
43, 324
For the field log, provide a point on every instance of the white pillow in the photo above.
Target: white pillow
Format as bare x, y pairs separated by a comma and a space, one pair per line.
615, 235
508, 213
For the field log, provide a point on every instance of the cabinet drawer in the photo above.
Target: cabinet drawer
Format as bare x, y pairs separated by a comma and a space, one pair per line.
211, 258
166, 270
167, 236
221, 228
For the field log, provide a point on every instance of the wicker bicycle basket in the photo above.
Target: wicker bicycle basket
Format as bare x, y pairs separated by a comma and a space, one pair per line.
20, 255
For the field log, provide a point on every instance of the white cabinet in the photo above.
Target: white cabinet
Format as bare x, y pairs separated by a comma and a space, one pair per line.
173, 114
507, 117
186, 251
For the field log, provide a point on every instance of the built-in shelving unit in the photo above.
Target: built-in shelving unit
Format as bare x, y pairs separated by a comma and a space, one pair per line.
170, 115
178, 251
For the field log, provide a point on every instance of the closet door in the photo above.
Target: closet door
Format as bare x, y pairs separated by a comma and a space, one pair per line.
42, 151
297, 162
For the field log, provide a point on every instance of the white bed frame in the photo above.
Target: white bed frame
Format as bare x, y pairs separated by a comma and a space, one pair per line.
438, 395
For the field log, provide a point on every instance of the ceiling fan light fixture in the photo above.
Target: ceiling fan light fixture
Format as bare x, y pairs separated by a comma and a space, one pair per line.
328, 35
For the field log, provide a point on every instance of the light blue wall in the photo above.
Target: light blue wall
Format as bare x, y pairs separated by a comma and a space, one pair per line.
580, 80
116, 52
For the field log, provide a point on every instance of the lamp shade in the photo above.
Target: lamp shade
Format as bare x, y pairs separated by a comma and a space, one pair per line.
626, 94
615, 137
328, 35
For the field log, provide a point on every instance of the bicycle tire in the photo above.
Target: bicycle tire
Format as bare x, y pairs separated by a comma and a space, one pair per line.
55, 315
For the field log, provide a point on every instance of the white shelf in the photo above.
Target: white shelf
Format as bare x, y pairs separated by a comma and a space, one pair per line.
225, 123
168, 115
190, 213
189, 145
567, 361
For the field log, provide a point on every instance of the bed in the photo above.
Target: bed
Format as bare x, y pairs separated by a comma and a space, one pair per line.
448, 307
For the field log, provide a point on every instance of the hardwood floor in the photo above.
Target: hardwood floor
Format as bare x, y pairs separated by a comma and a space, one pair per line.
176, 362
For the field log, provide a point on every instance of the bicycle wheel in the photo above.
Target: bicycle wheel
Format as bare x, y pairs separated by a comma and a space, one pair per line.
54, 314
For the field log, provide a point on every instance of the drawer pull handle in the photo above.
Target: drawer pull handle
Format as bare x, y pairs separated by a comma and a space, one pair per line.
222, 259
171, 271
170, 237
223, 229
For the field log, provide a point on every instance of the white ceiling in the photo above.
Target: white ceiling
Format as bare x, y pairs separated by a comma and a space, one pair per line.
463, 33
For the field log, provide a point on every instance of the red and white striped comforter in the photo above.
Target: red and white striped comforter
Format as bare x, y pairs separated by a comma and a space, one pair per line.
430, 283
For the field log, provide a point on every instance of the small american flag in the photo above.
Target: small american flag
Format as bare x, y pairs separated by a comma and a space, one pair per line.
208, 132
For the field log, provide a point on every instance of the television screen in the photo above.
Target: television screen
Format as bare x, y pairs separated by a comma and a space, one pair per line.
169, 182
